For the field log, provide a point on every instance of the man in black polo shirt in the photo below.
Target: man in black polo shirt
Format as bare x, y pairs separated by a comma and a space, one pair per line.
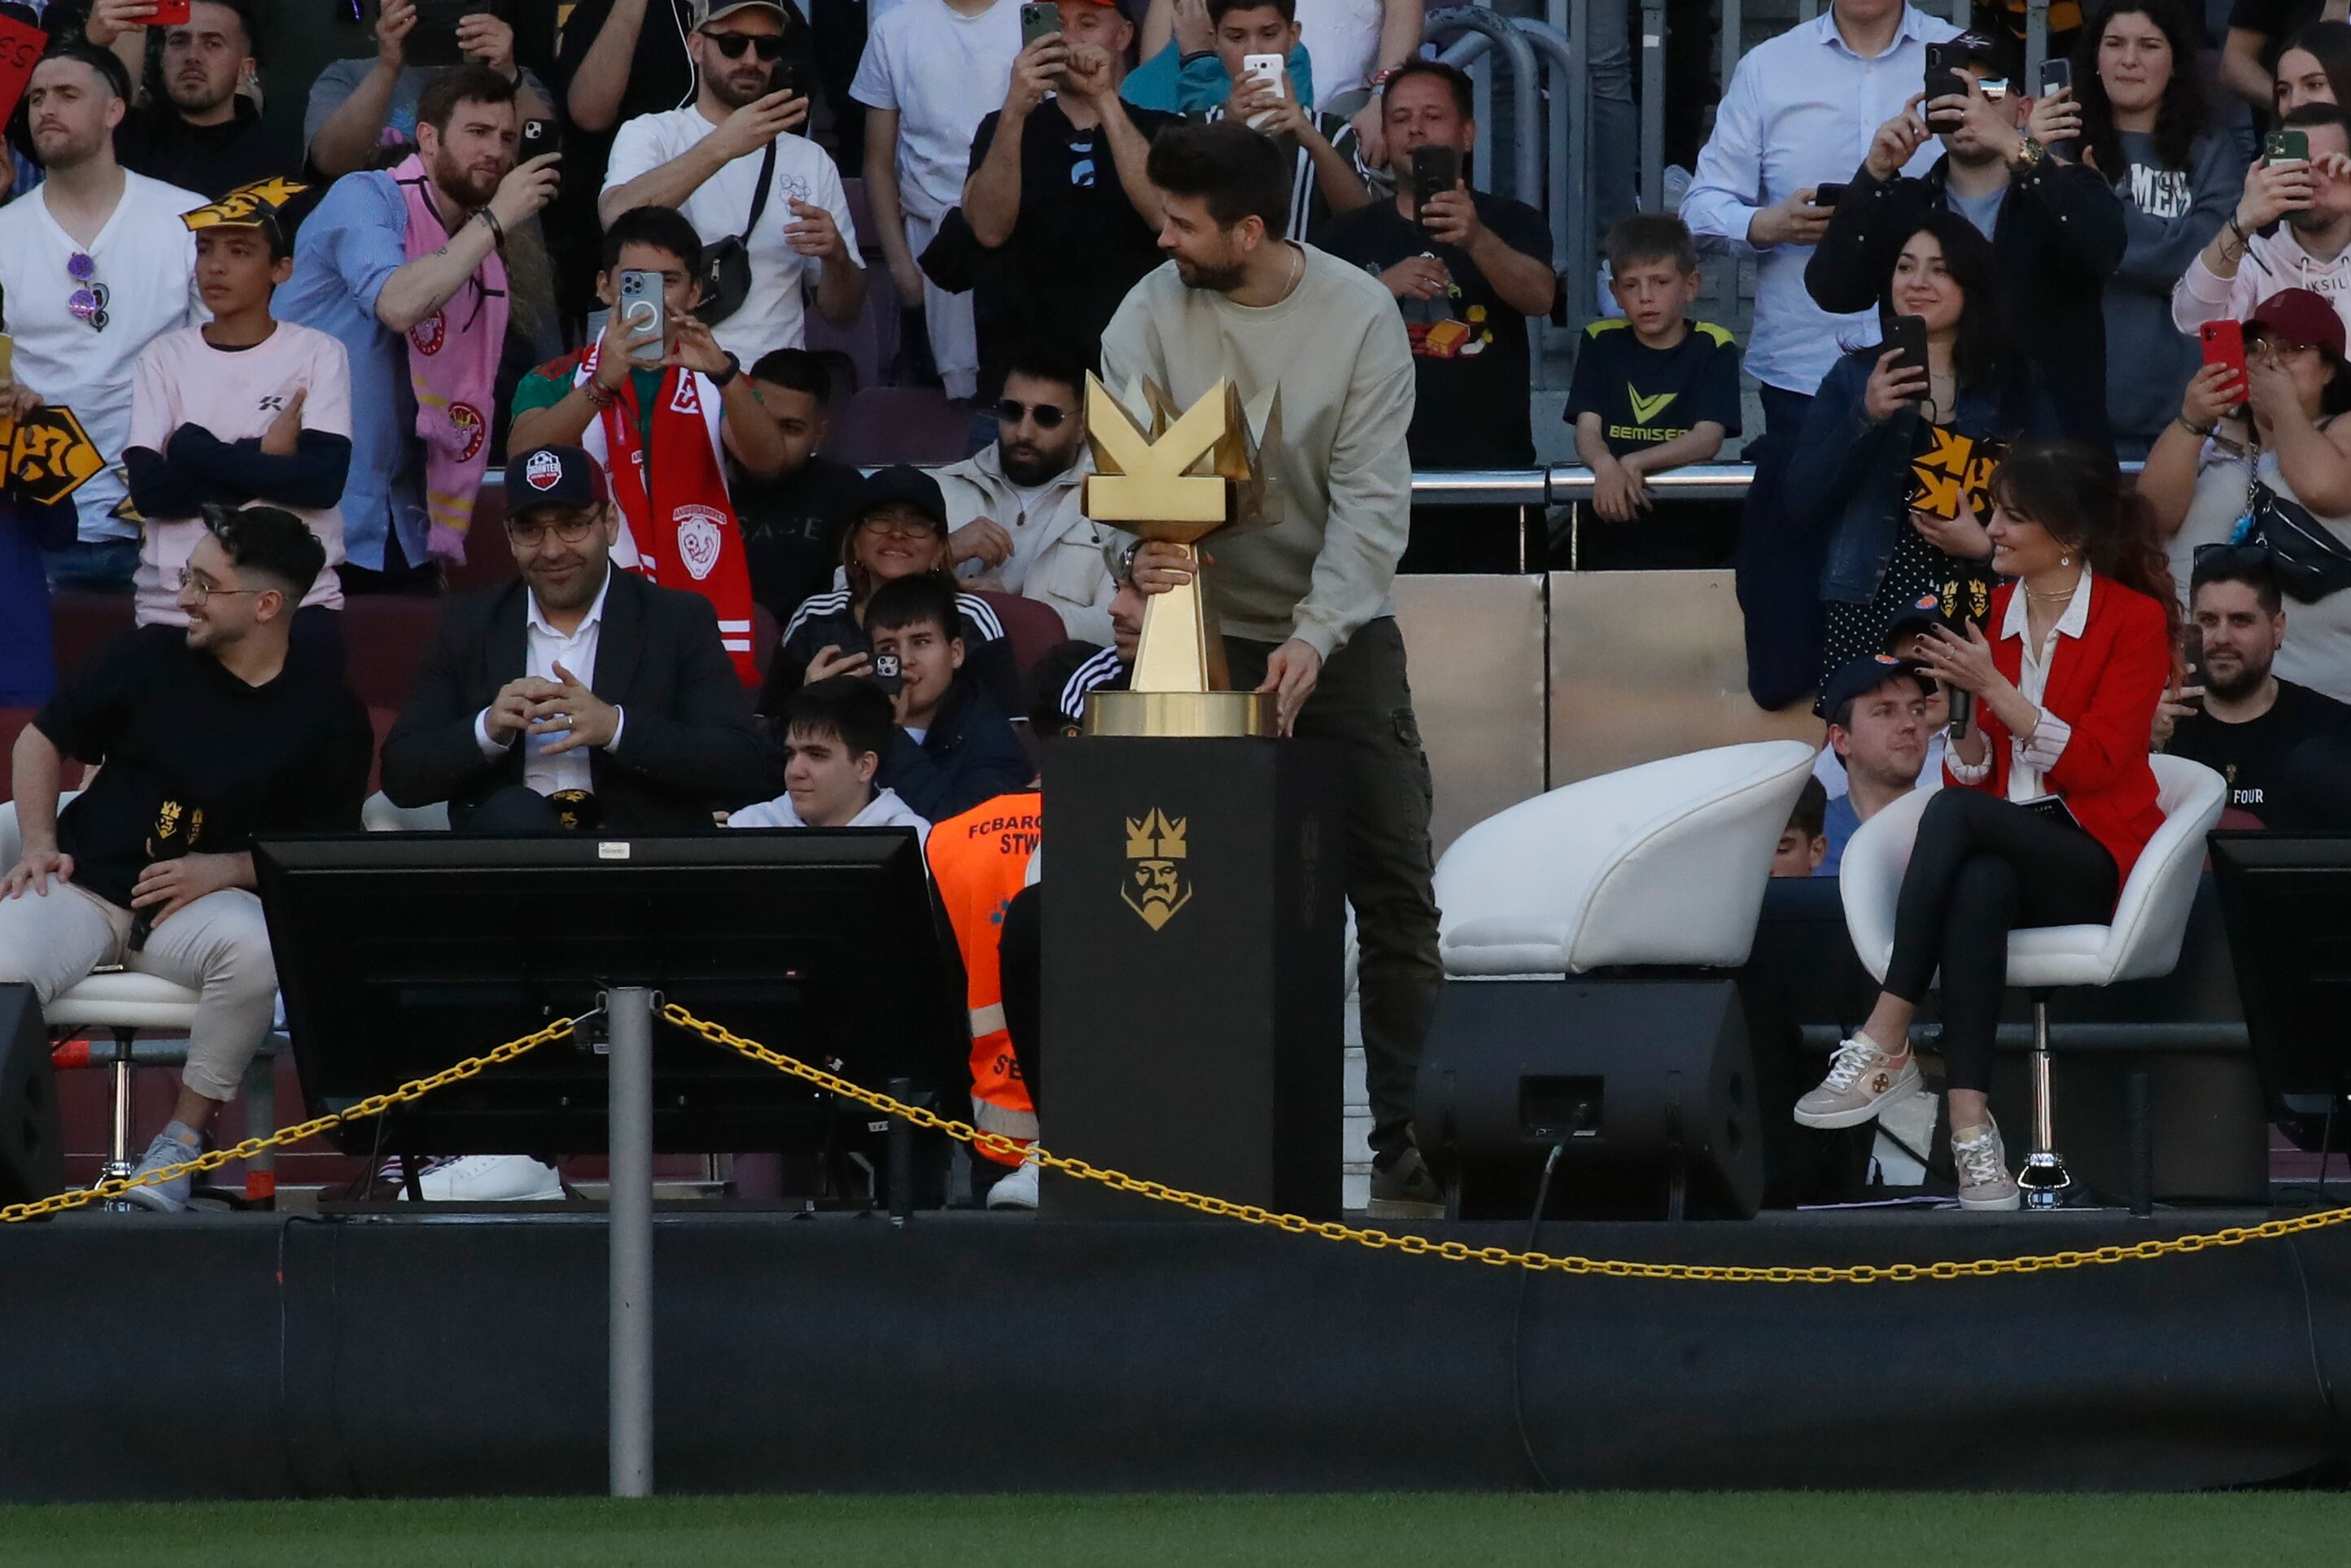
2278, 745
1467, 273
1058, 198
203, 134
210, 737
792, 523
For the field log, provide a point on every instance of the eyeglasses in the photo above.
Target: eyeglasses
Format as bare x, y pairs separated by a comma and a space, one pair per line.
769, 47
88, 302
205, 587
1012, 410
528, 532
895, 528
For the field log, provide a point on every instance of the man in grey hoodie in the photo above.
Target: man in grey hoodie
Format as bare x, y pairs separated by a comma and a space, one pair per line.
2243, 265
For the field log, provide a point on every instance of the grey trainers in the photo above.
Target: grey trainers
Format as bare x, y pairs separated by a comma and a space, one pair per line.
1862, 1082
1403, 1188
1982, 1167
166, 1196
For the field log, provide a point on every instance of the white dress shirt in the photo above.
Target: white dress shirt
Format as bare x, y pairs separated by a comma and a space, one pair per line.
2031, 756
545, 647
1801, 112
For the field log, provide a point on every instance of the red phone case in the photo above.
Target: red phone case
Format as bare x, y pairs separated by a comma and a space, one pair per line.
2224, 344
170, 14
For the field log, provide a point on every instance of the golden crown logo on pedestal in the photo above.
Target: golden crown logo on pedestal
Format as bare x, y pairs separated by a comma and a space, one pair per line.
1154, 845
1179, 478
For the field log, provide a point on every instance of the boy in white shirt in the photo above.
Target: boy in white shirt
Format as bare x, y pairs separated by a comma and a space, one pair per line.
243, 409
835, 731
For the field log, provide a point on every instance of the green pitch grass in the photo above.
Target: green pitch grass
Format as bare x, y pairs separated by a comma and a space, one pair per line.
1615, 1530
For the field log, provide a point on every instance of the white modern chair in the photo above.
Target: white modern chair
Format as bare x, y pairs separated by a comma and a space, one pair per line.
1660, 864
381, 816
2143, 939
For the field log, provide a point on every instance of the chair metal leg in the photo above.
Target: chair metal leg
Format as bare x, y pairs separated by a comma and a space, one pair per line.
119, 1165
2043, 1180
260, 1121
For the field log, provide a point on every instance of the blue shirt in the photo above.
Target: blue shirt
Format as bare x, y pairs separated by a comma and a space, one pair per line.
1983, 212
1167, 81
346, 251
1801, 112
1838, 822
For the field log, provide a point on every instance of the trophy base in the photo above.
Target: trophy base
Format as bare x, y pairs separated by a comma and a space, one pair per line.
1196, 714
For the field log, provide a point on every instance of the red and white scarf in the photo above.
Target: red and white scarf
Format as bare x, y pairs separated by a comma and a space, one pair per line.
453, 367
684, 534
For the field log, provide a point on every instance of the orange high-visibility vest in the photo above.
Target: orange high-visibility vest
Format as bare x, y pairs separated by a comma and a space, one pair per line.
979, 861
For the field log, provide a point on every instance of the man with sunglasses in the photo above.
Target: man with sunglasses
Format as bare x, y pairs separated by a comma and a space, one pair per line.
211, 737
94, 265
711, 160
576, 696
1016, 509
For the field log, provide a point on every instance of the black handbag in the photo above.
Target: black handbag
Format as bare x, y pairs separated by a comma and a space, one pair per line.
2310, 561
726, 264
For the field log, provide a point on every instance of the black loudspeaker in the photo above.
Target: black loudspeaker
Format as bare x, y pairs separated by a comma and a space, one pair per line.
1646, 1086
32, 1150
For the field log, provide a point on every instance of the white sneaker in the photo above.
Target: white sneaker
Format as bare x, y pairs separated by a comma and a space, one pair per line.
1862, 1082
1982, 1165
1018, 1190
489, 1179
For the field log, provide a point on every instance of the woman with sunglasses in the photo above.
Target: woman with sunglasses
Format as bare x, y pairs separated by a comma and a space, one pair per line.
2271, 450
2065, 676
900, 530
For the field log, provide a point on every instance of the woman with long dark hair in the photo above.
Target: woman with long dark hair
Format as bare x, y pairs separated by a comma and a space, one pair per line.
2315, 67
2146, 129
2064, 687
1851, 472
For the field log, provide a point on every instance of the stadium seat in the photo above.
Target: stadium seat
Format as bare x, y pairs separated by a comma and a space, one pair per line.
1032, 626
900, 424
1660, 864
2142, 940
83, 623
487, 559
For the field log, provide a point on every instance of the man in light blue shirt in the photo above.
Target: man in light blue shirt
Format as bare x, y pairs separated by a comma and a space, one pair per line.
1799, 112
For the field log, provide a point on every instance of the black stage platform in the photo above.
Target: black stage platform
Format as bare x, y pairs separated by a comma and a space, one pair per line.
244, 1356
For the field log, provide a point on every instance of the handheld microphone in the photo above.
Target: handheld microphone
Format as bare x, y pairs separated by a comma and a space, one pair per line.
1963, 710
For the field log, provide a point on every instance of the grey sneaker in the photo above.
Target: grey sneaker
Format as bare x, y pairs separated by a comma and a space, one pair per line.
1403, 1188
164, 1196
1862, 1082
1982, 1167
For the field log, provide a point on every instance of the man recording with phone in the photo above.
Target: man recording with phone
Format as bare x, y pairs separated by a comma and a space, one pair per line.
2291, 230
203, 133
1253, 38
2055, 226
1467, 268
732, 163
357, 107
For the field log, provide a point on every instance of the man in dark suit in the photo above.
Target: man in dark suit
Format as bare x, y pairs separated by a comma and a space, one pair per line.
580, 697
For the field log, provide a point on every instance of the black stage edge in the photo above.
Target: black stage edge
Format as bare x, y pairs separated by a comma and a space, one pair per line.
456, 1355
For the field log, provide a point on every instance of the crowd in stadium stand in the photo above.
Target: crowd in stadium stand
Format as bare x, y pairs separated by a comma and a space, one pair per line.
654, 272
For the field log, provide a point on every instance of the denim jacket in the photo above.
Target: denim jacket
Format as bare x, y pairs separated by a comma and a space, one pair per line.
1848, 478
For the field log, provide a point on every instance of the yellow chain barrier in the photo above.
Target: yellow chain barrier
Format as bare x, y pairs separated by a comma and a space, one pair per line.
373, 1105
1505, 1257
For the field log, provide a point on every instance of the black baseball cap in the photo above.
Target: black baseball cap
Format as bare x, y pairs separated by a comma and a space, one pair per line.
553, 476
1856, 678
900, 485
1925, 611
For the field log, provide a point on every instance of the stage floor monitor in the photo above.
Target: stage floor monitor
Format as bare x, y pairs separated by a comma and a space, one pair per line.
2286, 899
399, 953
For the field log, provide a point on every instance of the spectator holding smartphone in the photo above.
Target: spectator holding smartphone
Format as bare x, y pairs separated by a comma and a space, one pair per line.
1327, 151
2290, 229
954, 746
2145, 128
204, 133
358, 107
1875, 416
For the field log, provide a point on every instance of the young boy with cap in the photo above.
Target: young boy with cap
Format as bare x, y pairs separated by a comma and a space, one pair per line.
242, 409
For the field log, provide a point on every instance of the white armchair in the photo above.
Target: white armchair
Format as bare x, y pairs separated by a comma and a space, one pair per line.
2142, 940
1663, 863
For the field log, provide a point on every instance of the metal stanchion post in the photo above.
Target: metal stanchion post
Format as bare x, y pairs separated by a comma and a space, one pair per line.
120, 1165
628, 1017
1653, 105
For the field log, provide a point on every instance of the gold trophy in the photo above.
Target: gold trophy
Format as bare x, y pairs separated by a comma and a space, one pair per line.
1180, 478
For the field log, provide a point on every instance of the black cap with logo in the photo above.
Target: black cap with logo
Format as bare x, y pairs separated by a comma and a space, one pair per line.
553, 476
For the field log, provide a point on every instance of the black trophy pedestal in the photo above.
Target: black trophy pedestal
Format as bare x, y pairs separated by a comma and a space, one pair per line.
1192, 988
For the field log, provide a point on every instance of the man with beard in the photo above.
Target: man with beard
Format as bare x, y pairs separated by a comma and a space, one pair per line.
2260, 733
731, 164
2255, 255
411, 253
1305, 602
1016, 509
94, 265
204, 134
2055, 226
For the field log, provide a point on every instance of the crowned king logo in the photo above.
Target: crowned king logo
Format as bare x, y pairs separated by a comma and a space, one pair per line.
1155, 852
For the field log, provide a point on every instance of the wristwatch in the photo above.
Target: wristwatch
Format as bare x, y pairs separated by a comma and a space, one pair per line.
2029, 155
734, 368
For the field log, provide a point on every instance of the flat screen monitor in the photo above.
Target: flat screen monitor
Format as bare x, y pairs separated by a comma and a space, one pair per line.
399, 953
2286, 899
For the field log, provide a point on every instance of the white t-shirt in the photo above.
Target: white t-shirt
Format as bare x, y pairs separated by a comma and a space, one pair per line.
146, 280
943, 72
237, 394
772, 314
1343, 39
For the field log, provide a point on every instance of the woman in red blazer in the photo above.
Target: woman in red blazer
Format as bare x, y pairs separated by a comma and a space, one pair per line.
2064, 694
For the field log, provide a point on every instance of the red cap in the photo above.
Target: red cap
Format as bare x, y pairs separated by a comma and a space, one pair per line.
2299, 315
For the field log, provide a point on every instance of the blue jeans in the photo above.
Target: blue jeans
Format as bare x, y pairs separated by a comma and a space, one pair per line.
96, 566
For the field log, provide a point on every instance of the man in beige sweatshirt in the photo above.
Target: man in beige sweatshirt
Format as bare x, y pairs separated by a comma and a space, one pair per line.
1305, 602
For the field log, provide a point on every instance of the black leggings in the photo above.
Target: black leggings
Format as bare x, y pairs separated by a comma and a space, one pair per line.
1982, 867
